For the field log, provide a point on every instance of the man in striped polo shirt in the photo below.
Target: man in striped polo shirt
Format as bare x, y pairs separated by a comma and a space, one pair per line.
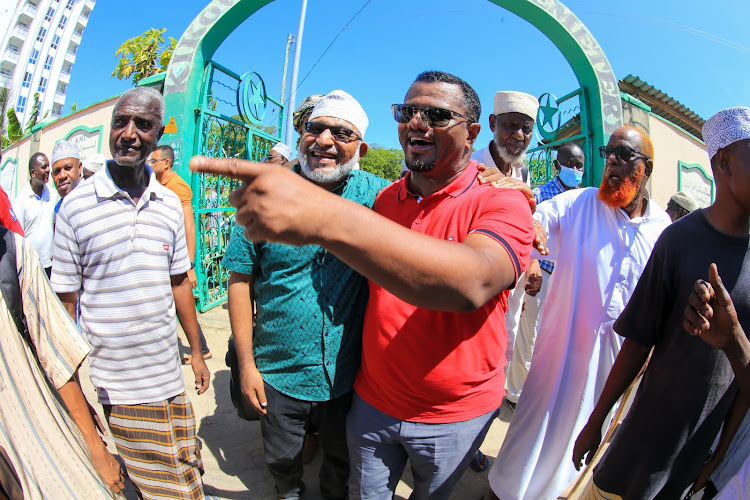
120, 239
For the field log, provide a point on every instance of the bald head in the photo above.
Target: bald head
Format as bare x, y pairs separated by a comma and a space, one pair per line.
569, 148
638, 137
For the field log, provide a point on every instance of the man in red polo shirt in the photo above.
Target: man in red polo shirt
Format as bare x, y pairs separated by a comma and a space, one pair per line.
440, 270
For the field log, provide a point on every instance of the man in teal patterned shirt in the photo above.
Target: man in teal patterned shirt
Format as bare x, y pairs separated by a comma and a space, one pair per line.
306, 347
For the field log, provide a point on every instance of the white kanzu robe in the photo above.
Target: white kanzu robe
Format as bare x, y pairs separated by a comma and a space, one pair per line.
603, 253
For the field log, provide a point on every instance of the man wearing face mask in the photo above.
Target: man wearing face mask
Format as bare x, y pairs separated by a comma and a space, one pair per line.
570, 165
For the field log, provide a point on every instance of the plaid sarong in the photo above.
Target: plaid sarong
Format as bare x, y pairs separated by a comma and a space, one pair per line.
160, 448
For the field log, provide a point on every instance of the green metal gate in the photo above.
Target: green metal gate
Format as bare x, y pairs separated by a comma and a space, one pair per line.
560, 121
236, 119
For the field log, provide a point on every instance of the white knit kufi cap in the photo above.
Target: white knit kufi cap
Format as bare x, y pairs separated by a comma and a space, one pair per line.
510, 101
283, 150
95, 163
339, 104
726, 127
65, 149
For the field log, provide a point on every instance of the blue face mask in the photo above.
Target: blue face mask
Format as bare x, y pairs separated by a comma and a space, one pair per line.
570, 176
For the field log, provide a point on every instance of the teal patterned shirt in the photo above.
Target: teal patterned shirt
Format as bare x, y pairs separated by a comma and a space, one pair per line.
310, 307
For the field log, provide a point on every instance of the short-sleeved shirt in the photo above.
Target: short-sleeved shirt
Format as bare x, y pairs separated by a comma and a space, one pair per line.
48, 454
517, 171
121, 255
37, 216
311, 305
7, 215
436, 366
687, 388
543, 193
178, 186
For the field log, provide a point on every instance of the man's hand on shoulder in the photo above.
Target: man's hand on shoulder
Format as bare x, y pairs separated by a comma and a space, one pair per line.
493, 176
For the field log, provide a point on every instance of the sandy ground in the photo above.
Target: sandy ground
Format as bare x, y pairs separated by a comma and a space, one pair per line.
232, 448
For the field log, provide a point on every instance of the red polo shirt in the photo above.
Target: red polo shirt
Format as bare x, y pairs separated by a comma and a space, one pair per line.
7, 216
433, 366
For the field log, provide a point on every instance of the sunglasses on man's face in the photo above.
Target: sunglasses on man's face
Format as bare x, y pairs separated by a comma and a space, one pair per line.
624, 153
431, 116
341, 134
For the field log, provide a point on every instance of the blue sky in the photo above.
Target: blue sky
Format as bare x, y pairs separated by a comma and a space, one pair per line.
697, 52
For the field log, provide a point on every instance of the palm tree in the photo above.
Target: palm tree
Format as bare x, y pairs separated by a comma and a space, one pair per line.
143, 56
10, 128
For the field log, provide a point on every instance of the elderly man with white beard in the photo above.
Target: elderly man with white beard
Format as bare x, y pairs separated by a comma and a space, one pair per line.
512, 124
305, 349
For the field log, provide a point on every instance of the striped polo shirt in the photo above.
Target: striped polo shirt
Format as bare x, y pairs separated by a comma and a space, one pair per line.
121, 255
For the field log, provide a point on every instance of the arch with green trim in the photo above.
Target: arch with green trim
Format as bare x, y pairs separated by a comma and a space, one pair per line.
183, 83
186, 100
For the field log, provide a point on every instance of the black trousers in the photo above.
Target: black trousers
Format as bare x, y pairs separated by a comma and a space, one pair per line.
283, 431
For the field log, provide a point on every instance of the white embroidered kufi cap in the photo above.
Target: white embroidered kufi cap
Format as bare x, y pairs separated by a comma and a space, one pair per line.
95, 163
510, 101
283, 150
726, 127
339, 104
65, 149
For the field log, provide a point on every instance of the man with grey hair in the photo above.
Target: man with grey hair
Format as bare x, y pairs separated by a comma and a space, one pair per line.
66, 169
302, 355
512, 123
120, 241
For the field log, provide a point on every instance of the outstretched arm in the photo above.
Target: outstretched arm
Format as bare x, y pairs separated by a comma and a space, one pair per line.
275, 205
629, 362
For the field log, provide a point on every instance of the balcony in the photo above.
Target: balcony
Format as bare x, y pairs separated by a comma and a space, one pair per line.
19, 32
5, 81
59, 98
76, 38
70, 56
90, 4
83, 19
10, 56
64, 77
27, 14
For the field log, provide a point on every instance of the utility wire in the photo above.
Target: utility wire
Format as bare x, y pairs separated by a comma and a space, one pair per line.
329, 47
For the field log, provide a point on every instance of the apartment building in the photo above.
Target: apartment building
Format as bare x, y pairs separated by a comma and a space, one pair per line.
39, 40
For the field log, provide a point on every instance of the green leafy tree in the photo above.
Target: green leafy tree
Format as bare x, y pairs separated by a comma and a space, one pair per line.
73, 108
143, 55
385, 163
15, 131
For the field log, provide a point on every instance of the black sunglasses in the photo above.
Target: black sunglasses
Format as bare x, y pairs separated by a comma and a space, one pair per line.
624, 153
341, 134
431, 116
